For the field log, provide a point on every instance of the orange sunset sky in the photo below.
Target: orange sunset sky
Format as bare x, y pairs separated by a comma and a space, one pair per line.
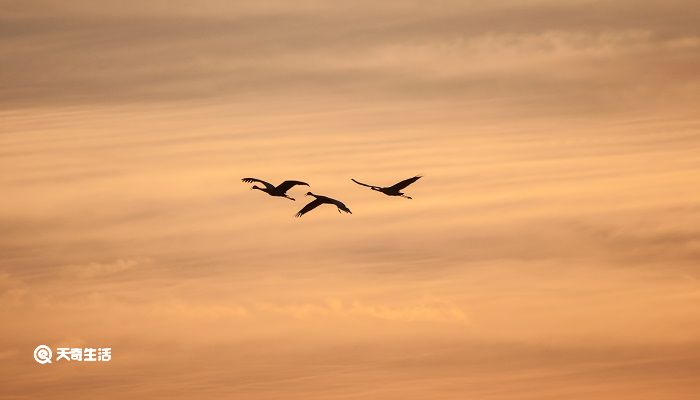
551, 251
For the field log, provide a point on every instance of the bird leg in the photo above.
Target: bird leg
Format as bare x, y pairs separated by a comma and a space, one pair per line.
406, 197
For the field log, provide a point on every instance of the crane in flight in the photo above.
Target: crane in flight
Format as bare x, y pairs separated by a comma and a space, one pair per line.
394, 190
322, 200
277, 191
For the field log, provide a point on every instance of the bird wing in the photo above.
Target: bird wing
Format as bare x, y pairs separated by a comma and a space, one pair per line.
286, 185
268, 185
404, 183
341, 206
364, 184
309, 207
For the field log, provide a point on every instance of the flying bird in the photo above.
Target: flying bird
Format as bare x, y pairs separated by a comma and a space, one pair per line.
394, 190
322, 200
277, 191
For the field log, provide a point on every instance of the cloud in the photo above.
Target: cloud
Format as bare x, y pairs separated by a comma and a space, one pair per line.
651, 245
549, 56
435, 312
95, 269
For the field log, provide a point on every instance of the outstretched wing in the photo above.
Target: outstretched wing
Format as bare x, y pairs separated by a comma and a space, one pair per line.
286, 185
364, 184
404, 183
341, 206
268, 185
309, 207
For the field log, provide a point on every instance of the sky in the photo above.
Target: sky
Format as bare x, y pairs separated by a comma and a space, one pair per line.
550, 250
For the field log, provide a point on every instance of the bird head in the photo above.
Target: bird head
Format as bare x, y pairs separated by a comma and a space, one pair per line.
256, 187
309, 194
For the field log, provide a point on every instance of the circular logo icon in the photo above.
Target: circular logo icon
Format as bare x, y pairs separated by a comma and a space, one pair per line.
43, 354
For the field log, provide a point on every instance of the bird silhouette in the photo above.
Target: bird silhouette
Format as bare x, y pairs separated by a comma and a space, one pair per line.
322, 200
277, 191
394, 190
